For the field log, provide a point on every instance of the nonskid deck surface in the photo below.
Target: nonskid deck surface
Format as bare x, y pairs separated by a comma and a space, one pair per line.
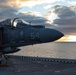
23, 65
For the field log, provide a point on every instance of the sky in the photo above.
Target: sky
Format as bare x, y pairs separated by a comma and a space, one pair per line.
56, 14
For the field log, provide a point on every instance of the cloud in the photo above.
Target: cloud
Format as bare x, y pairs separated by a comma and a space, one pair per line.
49, 6
64, 12
10, 3
31, 3
34, 18
56, 6
10, 8
72, 2
51, 16
66, 16
7, 9
24, 3
65, 20
66, 30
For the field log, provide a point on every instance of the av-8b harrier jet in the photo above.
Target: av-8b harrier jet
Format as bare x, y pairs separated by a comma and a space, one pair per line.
16, 33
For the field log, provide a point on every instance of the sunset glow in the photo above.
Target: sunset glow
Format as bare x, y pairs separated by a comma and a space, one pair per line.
51, 17
70, 38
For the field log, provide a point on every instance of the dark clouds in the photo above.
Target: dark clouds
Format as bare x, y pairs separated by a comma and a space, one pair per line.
67, 30
7, 13
67, 16
34, 19
7, 10
65, 12
66, 22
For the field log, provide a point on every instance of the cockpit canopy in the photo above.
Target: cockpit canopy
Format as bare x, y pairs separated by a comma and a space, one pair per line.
18, 23
14, 23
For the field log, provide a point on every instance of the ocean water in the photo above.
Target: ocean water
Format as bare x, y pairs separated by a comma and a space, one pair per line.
53, 50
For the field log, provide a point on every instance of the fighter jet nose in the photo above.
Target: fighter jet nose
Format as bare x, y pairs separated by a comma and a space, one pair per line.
61, 34
49, 35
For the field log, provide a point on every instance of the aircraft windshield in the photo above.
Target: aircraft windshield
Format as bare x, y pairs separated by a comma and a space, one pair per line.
18, 21
6, 22
25, 22
15, 22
